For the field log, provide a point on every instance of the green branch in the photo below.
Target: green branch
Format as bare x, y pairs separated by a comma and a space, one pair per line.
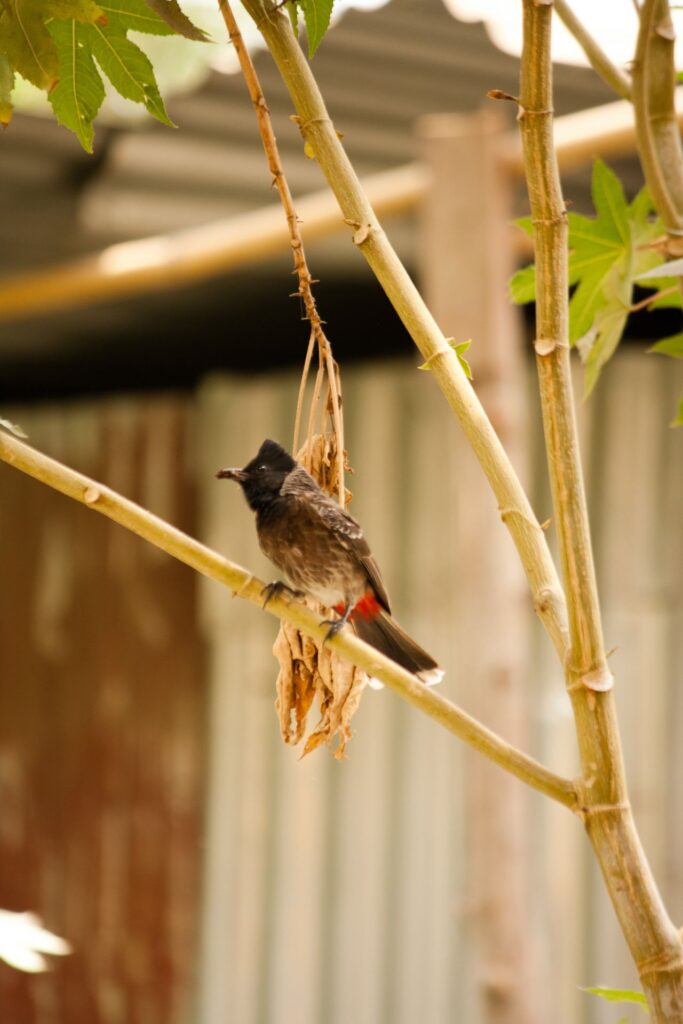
102, 499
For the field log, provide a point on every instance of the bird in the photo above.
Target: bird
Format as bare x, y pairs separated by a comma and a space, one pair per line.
324, 555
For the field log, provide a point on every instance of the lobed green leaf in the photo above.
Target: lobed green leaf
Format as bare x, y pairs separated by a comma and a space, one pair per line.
136, 16
80, 91
169, 11
128, 69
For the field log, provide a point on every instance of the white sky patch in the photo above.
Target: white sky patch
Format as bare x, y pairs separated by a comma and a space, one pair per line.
612, 23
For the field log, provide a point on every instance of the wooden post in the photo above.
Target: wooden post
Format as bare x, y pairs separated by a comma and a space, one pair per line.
466, 263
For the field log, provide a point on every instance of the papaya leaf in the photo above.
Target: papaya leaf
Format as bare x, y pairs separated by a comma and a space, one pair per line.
523, 285
137, 16
6, 86
317, 14
607, 254
27, 44
170, 12
128, 69
79, 93
672, 346
26, 41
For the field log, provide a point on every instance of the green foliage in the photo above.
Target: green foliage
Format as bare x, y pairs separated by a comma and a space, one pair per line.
672, 346
128, 69
459, 347
176, 20
79, 93
608, 254
618, 995
317, 14
25, 41
62, 46
6, 86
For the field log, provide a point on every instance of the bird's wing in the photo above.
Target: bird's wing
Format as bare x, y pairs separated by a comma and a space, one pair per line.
349, 534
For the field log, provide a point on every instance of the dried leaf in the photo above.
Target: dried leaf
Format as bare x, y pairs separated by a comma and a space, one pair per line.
308, 670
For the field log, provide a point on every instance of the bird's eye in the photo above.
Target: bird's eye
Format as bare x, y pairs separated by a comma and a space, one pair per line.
261, 468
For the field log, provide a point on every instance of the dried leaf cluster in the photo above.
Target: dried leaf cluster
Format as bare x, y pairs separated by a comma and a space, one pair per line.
309, 670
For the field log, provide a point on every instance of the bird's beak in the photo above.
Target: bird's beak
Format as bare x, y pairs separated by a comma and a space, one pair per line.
232, 474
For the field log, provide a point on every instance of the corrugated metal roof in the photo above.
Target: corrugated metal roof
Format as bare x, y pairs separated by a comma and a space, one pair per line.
379, 72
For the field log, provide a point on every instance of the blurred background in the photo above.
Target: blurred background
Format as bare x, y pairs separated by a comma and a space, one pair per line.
149, 813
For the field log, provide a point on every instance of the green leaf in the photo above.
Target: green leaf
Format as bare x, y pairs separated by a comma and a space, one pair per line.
136, 16
618, 995
12, 428
672, 346
79, 10
293, 12
317, 15
80, 91
460, 348
171, 13
128, 69
6, 86
526, 225
609, 200
677, 421
523, 285
26, 42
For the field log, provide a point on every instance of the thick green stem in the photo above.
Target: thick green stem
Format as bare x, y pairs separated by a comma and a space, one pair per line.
101, 499
652, 938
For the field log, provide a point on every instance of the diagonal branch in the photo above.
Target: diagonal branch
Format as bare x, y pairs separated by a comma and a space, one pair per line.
598, 59
324, 142
178, 544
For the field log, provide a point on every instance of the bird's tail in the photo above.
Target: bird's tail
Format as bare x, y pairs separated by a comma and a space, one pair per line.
385, 635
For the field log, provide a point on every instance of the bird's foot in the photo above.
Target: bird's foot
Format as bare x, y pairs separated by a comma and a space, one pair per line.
336, 624
276, 589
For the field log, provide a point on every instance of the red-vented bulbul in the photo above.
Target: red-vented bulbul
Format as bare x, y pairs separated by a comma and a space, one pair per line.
322, 552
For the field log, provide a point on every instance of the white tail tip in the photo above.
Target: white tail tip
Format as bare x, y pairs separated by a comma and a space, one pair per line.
431, 677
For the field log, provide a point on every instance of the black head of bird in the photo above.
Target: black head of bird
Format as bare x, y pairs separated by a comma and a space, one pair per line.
263, 477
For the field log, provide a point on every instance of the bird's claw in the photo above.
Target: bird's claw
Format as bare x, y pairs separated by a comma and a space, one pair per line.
276, 588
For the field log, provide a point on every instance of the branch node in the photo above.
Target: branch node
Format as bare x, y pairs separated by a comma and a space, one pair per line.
669, 960
586, 811
92, 495
362, 234
546, 346
599, 680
